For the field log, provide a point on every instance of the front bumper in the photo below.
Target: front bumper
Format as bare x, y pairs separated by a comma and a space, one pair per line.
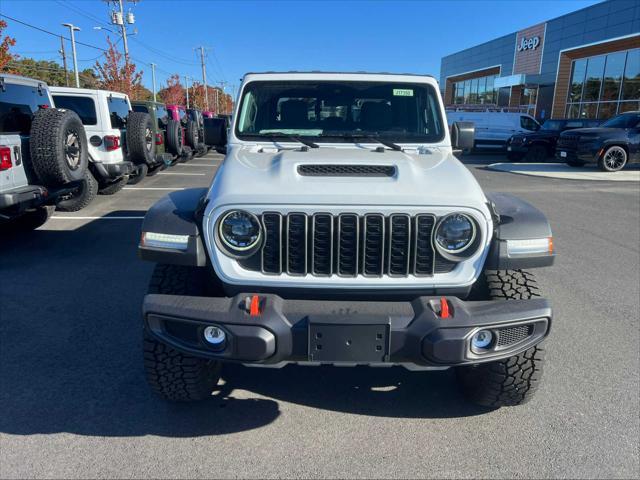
349, 333
583, 155
113, 171
517, 148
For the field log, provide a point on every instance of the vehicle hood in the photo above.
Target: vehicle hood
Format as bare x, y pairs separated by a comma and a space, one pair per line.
593, 131
423, 177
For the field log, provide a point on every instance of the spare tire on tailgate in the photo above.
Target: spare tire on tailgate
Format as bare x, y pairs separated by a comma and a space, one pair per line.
141, 144
174, 137
192, 134
58, 146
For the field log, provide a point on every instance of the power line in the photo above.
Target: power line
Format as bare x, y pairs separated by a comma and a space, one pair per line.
67, 4
162, 54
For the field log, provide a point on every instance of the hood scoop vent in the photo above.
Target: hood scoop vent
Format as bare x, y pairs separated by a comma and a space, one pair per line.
324, 170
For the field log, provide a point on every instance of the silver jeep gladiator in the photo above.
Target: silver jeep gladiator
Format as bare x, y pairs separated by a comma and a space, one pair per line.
340, 229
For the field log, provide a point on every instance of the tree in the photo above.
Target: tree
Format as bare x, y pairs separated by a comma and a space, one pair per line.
198, 100
115, 75
174, 93
5, 44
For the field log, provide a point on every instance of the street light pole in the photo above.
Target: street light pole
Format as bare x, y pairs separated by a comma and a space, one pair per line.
186, 84
73, 29
153, 79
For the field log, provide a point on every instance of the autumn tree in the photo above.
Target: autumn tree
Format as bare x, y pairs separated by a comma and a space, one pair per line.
198, 100
118, 75
174, 92
5, 43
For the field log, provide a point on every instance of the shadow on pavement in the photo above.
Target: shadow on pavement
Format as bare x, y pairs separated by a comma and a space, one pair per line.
71, 361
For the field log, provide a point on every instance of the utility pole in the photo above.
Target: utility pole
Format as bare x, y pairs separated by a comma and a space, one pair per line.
153, 79
223, 84
124, 33
73, 29
186, 84
204, 77
64, 61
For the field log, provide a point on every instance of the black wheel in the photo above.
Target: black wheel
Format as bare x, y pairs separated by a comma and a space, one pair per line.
613, 159
536, 154
192, 134
58, 146
174, 137
113, 187
138, 175
28, 221
512, 381
514, 157
174, 375
81, 196
141, 142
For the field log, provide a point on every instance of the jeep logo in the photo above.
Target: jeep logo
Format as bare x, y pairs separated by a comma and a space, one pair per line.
529, 43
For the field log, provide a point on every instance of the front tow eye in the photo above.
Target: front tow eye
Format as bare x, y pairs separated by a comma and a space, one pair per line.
253, 305
444, 308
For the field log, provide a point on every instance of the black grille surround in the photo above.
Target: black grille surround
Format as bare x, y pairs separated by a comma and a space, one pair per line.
324, 170
348, 245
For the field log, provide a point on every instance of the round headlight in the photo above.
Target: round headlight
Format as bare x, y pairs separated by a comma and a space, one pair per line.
455, 233
239, 231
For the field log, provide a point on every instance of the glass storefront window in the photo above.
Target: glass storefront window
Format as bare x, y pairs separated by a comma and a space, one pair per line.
589, 110
613, 76
607, 109
631, 82
577, 80
629, 107
490, 92
482, 90
467, 90
593, 79
475, 91
573, 110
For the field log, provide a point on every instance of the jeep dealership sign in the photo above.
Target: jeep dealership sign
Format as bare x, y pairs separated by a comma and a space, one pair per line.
529, 43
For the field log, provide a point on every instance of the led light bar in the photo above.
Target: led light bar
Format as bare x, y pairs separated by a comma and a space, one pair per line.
534, 246
165, 240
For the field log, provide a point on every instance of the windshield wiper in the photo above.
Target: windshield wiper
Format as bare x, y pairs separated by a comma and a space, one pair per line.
368, 136
291, 136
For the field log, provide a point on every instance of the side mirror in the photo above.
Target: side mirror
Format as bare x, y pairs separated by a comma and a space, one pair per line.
462, 135
215, 132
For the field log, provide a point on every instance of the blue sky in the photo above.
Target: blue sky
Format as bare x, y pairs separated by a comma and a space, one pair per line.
395, 36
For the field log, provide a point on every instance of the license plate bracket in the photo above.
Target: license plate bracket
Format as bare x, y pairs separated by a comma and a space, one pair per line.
348, 343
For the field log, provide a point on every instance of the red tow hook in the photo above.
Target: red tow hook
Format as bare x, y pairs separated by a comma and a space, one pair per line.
254, 306
444, 308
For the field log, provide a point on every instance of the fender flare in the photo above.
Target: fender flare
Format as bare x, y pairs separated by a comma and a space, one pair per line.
178, 213
516, 219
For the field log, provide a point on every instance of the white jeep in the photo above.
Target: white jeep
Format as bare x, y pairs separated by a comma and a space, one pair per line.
341, 229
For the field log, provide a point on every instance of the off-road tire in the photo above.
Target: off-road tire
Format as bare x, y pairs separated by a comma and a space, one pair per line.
114, 187
141, 142
174, 137
176, 376
51, 129
80, 197
140, 175
28, 221
512, 381
192, 134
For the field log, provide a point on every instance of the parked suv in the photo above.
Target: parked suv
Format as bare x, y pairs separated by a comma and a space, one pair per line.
159, 121
539, 145
103, 114
341, 230
612, 145
43, 152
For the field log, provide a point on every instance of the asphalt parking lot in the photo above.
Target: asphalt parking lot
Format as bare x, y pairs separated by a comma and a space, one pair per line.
74, 402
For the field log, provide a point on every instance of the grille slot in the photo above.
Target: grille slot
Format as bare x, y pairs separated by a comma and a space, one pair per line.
511, 335
399, 245
373, 249
348, 248
322, 246
423, 262
271, 257
297, 244
347, 170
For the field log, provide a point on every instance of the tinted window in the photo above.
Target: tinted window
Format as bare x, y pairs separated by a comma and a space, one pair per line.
553, 125
118, 111
85, 107
140, 108
529, 123
18, 103
623, 121
182, 114
163, 116
334, 110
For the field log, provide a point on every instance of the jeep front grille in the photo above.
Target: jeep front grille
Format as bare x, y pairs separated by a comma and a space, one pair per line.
348, 245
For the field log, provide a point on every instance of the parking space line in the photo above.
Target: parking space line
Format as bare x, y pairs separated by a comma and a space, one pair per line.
180, 173
56, 217
195, 165
153, 188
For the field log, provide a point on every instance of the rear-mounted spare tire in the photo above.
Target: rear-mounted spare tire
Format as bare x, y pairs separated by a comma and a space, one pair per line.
58, 145
141, 144
192, 134
174, 137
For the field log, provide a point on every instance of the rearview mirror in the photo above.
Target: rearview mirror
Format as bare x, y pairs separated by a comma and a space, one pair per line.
215, 132
462, 135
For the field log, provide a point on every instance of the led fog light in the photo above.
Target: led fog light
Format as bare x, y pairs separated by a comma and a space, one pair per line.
214, 336
481, 340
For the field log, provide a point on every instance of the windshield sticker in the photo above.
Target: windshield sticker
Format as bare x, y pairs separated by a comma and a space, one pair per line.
402, 92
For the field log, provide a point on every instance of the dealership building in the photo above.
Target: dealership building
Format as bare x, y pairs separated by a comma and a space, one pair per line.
584, 64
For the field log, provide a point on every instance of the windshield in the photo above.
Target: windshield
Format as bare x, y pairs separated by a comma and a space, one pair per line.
628, 120
332, 111
552, 125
